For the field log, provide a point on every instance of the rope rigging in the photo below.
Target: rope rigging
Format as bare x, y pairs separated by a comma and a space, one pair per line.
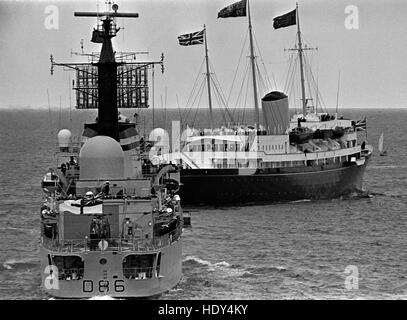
291, 85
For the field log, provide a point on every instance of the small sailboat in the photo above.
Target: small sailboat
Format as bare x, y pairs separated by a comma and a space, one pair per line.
382, 151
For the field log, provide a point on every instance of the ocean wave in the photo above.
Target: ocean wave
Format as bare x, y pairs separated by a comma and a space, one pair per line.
301, 200
401, 287
223, 268
358, 194
388, 167
222, 264
196, 260
174, 290
19, 229
247, 274
382, 194
261, 270
378, 194
14, 264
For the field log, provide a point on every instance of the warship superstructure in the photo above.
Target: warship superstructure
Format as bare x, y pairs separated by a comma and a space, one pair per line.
110, 223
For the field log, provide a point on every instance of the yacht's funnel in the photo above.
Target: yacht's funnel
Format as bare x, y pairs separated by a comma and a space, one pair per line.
275, 112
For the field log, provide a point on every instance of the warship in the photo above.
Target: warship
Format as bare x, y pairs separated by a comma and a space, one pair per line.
111, 224
276, 159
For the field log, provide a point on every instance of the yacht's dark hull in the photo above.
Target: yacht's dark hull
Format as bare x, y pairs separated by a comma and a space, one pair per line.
234, 186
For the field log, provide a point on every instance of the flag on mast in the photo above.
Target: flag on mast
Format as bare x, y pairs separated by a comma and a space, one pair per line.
361, 125
237, 9
193, 38
285, 20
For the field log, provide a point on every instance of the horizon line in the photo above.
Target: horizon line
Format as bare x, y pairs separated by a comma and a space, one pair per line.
55, 108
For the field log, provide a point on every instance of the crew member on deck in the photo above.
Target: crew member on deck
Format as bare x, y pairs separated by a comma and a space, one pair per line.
63, 169
73, 161
94, 233
89, 198
104, 228
106, 188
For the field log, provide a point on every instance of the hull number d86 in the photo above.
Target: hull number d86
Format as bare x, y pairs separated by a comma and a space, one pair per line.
102, 286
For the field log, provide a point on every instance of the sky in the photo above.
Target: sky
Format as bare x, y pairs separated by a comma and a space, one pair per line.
370, 58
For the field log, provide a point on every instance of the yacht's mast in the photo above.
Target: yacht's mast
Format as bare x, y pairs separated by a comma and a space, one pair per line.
300, 53
253, 64
208, 80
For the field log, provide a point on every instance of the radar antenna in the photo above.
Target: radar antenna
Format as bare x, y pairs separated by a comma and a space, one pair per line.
104, 83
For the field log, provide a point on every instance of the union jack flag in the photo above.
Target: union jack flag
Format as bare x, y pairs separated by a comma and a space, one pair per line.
361, 125
190, 39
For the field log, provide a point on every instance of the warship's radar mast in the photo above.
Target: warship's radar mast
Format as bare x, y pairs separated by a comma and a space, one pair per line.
107, 84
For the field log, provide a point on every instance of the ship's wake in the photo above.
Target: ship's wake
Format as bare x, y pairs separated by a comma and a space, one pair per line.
370, 194
361, 194
105, 297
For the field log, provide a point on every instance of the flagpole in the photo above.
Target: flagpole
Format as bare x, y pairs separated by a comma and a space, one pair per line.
366, 129
152, 95
252, 58
337, 96
208, 80
300, 52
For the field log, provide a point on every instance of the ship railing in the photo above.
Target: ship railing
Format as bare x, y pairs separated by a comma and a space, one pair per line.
70, 273
112, 244
139, 273
72, 148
